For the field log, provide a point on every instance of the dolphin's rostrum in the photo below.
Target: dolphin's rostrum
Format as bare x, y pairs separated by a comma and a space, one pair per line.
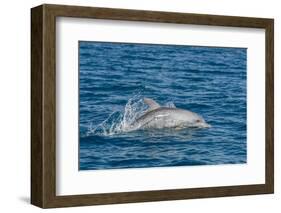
157, 117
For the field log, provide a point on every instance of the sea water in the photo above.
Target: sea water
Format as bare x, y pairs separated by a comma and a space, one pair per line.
115, 77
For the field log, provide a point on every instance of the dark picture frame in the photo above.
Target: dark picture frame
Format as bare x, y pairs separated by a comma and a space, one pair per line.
43, 105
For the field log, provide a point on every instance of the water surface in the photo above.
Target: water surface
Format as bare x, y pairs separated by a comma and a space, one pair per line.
114, 79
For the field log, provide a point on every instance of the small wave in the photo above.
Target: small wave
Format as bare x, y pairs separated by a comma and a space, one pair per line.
121, 121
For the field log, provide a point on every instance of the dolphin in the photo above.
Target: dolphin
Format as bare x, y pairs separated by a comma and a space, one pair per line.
157, 117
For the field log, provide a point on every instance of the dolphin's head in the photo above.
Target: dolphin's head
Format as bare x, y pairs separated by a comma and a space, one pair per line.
200, 122
191, 119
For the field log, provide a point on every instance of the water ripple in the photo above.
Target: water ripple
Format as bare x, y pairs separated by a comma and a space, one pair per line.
113, 79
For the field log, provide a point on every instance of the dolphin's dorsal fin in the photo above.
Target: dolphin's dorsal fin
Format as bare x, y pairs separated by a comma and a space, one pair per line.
151, 103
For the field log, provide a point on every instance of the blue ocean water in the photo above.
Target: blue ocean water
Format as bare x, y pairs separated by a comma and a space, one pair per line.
114, 79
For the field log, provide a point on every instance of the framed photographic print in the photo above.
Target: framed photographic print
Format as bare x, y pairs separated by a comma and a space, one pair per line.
136, 106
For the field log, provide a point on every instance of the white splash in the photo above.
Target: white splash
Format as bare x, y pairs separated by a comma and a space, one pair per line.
121, 121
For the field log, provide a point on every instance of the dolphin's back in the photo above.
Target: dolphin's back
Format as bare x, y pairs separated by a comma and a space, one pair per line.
164, 117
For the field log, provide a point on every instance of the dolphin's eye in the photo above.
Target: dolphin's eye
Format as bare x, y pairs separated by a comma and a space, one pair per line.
197, 120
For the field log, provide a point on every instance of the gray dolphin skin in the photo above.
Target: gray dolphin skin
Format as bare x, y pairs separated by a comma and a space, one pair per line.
157, 117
